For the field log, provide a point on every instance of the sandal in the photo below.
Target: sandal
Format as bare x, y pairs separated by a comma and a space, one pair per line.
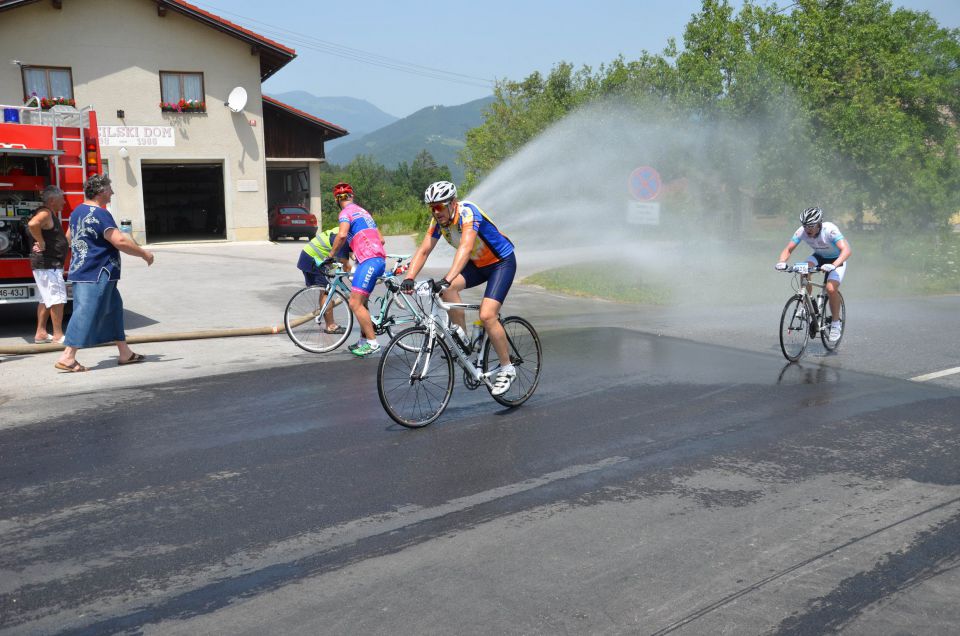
335, 331
133, 359
46, 340
76, 367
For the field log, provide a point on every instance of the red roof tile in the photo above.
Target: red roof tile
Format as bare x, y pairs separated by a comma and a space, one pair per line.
307, 116
273, 55
232, 26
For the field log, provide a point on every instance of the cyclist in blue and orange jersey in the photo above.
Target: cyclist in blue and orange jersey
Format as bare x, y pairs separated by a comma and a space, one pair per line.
358, 229
484, 254
830, 254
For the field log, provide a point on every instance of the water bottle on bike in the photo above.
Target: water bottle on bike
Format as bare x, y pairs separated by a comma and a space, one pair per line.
475, 333
460, 336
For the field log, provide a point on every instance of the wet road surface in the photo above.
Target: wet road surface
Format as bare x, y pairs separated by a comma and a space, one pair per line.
652, 485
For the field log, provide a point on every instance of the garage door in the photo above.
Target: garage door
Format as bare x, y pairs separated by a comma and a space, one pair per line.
183, 202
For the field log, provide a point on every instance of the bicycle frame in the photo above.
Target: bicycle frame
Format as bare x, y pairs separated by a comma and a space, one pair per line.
437, 327
469, 362
803, 282
379, 319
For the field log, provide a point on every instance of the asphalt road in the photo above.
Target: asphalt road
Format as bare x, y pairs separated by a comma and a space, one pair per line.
652, 485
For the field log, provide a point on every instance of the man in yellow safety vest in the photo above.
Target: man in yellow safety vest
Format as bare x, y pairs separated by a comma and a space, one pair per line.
311, 264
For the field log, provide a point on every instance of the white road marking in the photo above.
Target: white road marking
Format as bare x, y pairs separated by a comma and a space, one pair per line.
935, 375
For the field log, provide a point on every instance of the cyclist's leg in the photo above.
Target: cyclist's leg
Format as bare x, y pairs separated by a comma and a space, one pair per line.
833, 288
364, 280
812, 261
499, 280
471, 276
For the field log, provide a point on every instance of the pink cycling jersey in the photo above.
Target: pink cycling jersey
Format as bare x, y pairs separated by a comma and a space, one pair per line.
363, 236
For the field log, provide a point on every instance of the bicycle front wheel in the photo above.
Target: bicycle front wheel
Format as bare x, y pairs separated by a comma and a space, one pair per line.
831, 345
794, 328
526, 355
309, 314
415, 378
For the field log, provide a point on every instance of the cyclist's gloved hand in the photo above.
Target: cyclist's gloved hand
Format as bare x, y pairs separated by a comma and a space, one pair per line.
827, 267
781, 266
439, 285
407, 286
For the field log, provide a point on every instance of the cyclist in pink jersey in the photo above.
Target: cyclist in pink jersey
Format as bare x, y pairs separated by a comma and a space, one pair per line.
358, 229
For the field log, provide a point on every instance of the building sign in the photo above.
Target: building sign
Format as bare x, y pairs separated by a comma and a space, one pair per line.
137, 136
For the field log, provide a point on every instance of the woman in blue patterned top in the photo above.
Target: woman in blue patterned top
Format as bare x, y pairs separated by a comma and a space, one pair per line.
95, 246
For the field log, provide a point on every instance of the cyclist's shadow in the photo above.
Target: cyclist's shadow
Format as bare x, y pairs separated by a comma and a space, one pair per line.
795, 373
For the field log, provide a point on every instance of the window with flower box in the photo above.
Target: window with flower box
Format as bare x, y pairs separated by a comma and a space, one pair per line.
182, 92
51, 85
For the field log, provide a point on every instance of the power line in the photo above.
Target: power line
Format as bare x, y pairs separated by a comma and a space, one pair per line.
358, 55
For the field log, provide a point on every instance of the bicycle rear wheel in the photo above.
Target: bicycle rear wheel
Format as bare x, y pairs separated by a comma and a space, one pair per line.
305, 324
794, 328
831, 345
526, 355
399, 317
415, 378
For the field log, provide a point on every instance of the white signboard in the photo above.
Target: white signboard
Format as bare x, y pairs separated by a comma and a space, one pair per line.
643, 212
137, 136
247, 185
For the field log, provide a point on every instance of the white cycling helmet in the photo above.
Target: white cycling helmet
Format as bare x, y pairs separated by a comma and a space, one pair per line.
439, 192
811, 216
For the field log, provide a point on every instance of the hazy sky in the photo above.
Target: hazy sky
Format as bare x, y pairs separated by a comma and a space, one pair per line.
469, 43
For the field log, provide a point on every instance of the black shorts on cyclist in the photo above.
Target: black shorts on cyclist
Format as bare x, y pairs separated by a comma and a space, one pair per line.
499, 277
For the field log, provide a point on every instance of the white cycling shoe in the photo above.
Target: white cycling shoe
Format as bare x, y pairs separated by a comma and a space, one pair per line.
836, 330
504, 380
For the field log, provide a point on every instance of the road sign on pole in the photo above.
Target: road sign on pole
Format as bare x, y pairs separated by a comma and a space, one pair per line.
644, 184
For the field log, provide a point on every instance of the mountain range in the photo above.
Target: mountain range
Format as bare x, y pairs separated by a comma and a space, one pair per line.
441, 130
358, 116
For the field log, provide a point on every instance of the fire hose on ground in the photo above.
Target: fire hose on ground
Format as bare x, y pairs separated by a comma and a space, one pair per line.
25, 349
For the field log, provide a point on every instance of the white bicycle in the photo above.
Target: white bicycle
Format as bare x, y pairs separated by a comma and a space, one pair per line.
415, 376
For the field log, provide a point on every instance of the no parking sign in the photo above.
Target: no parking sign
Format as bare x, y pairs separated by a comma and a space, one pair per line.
644, 184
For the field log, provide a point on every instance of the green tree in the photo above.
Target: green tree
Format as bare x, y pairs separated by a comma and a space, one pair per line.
845, 103
425, 171
882, 86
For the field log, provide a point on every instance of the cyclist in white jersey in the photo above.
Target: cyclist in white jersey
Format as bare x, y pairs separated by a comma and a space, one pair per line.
830, 254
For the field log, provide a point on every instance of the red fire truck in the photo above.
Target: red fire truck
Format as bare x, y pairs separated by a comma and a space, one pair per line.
59, 146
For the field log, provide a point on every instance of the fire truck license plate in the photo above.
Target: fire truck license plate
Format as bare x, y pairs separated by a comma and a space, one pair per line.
14, 292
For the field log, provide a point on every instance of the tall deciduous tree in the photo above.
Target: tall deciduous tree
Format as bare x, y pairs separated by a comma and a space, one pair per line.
843, 102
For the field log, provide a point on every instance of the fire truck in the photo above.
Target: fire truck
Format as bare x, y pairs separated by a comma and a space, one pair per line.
38, 147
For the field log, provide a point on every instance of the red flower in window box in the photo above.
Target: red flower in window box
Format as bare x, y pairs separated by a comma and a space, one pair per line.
184, 106
49, 102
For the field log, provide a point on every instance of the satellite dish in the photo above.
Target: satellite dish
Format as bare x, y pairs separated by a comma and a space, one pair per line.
237, 99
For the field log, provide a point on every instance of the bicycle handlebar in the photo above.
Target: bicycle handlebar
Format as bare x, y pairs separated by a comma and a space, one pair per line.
794, 269
425, 288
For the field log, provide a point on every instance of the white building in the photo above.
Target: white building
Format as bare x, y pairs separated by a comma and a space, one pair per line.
200, 171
